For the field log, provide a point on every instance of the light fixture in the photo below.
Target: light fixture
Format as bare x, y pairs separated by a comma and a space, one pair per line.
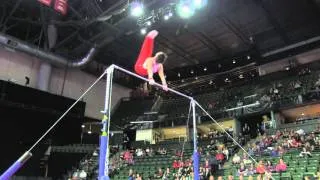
205, 69
248, 57
287, 68
90, 132
191, 72
83, 126
302, 114
196, 78
185, 9
166, 17
149, 23
198, 4
143, 31
241, 76
233, 61
179, 75
137, 9
170, 14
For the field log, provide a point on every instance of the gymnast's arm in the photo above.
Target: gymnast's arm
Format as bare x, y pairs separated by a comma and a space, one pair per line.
161, 75
149, 69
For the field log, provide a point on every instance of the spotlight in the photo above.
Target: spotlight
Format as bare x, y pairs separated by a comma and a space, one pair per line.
241, 76
191, 72
170, 14
185, 10
179, 75
136, 9
287, 68
149, 23
205, 69
233, 61
143, 31
198, 4
89, 132
83, 126
166, 17
196, 78
248, 57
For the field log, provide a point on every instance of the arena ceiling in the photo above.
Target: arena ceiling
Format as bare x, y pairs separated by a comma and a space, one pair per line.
224, 35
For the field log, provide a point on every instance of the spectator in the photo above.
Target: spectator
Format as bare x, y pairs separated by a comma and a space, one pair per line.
138, 177
167, 174
159, 174
261, 169
175, 164
226, 153
242, 171
236, 159
281, 166
305, 152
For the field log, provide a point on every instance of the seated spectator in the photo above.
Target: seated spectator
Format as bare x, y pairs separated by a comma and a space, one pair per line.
139, 152
305, 152
138, 177
167, 174
226, 153
251, 170
242, 171
281, 166
159, 174
269, 167
175, 164
236, 159
261, 169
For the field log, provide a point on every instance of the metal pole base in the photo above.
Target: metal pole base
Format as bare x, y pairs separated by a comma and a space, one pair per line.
16, 166
104, 178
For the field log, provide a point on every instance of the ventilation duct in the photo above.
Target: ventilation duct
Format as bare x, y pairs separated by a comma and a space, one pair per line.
53, 59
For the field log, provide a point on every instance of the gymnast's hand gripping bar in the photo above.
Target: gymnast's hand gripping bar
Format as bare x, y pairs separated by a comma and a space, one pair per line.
156, 84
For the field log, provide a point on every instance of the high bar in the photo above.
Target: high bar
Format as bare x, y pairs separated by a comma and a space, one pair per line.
145, 79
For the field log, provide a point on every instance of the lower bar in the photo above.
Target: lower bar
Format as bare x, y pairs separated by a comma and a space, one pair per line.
16, 166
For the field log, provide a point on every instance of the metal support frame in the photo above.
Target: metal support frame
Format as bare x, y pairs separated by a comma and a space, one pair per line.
104, 141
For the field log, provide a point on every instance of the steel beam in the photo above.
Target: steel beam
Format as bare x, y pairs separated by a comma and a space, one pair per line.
273, 21
16, 5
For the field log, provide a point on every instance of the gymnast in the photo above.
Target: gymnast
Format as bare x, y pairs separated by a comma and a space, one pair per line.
147, 65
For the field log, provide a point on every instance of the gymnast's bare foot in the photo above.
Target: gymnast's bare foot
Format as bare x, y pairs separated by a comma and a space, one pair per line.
153, 34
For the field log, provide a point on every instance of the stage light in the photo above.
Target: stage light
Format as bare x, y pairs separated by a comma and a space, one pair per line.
143, 31
241, 76
205, 69
191, 72
89, 132
136, 9
179, 74
185, 9
287, 68
302, 114
166, 17
233, 61
83, 126
198, 4
170, 14
196, 78
248, 57
149, 23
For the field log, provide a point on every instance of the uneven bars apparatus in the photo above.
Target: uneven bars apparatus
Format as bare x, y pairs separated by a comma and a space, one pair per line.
104, 142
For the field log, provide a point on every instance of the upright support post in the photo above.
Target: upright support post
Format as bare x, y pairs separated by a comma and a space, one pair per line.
16, 166
196, 157
104, 141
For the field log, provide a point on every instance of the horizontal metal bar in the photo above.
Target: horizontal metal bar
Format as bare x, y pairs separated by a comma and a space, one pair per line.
155, 84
